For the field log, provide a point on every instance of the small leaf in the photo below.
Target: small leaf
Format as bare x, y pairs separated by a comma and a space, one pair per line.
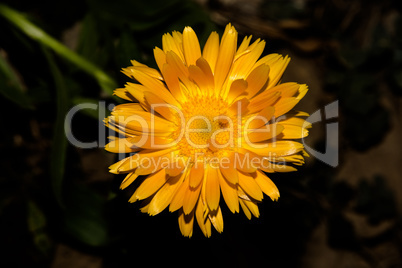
58, 153
36, 226
10, 86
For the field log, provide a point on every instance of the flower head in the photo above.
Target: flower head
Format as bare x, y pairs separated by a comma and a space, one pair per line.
209, 121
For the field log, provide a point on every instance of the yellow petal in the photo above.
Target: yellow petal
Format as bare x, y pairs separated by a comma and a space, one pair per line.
243, 163
244, 45
287, 89
266, 185
242, 65
121, 145
155, 86
128, 106
302, 91
123, 93
229, 171
298, 113
245, 209
294, 132
145, 205
237, 88
186, 223
160, 106
261, 119
130, 178
239, 107
142, 159
181, 71
275, 149
273, 163
151, 142
252, 207
295, 159
120, 129
178, 37
205, 225
200, 79
178, 198
212, 189
216, 219
268, 60
176, 167
144, 69
285, 105
123, 166
295, 121
196, 174
171, 44
160, 57
264, 133
136, 90
165, 195
191, 46
229, 192
142, 121
206, 69
257, 79
172, 82
282, 167
276, 71
227, 51
150, 165
149, 186
248, 184
191, 197
211, 50
263, 100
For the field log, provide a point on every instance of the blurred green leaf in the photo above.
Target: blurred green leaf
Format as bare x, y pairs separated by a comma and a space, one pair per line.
105, 82
10, 86
84, 217
36, 218
36, 226
59, 148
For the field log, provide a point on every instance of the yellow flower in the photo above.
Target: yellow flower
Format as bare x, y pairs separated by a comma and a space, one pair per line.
209, 121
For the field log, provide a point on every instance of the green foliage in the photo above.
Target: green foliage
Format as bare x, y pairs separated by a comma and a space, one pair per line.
10, 85
59, 148
37, 224
84, 217
38, 71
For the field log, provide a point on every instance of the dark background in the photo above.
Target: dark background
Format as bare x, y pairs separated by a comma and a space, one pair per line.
59, 206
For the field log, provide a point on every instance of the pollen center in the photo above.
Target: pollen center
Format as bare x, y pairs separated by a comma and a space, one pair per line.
207, 130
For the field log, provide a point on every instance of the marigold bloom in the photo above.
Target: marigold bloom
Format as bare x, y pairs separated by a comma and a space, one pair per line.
209, 121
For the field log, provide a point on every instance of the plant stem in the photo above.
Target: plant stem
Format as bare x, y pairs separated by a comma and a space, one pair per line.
37, 34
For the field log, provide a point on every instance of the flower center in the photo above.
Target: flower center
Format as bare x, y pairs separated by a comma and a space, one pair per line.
208, 130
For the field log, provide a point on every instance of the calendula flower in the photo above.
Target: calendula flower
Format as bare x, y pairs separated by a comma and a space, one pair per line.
209, 121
